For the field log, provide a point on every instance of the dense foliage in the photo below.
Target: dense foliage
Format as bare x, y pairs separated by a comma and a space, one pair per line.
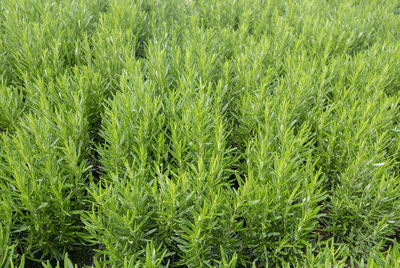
197, 133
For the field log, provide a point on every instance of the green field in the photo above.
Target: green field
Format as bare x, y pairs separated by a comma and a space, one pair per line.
199, 133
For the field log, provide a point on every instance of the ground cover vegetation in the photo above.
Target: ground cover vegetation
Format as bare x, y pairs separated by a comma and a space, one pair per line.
214, 133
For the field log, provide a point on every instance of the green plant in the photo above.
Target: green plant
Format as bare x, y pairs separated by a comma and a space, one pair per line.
214, 133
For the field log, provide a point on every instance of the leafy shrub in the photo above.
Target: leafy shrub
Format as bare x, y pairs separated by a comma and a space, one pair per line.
199, 133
